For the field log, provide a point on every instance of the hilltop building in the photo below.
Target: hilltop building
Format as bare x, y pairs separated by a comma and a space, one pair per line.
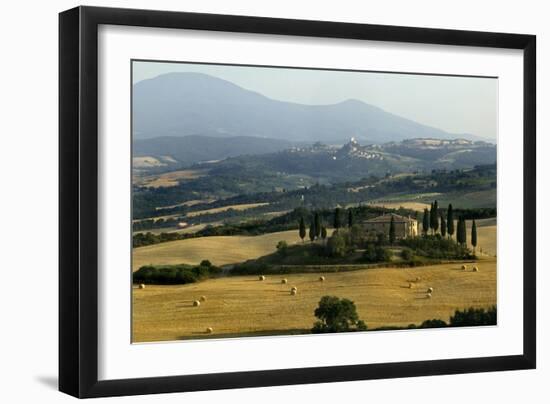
404, 226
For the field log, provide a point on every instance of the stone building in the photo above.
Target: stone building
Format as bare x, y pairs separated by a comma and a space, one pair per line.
404, 226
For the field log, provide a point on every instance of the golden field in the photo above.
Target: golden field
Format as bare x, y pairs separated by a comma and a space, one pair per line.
243, 206
244, 305
219, 250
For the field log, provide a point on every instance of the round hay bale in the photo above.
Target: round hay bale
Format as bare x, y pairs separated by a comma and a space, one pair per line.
293, 292
476, 269
284, 281
294, 288
141, 286
410, 285
262, 278
428, 295
464, 267
203, 299
430, 290
209, 330
321, 278
196, 303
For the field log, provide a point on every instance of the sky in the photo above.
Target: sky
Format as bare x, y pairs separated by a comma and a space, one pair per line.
454, 104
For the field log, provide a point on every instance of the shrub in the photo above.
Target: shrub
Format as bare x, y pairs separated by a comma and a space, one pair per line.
382, 254
174, 274
436, 247
406, 254
471, 317
370, 253
337, 315
282, 247
433, 323
205, 263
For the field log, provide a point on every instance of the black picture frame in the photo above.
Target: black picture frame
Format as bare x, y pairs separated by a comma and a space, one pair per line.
78, 203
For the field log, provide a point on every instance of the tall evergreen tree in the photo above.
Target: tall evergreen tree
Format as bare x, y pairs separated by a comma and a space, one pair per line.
473, 239
312, 231
443, 226
350, 218
323, 232
426, 221
302, 230
461, 231
436, 217
337, 218
431, 218
450, 221
392, 231
317, 221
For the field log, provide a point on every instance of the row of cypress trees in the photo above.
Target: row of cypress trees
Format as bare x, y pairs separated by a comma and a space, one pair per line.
316, 229
433, 221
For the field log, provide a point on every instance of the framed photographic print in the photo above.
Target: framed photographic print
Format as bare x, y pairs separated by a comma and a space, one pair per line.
251, 201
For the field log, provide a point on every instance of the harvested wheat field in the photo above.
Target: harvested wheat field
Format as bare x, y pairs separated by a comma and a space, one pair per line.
244, 305
220, 250
243, 206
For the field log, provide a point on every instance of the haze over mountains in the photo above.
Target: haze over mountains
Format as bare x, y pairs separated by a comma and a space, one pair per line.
182, 104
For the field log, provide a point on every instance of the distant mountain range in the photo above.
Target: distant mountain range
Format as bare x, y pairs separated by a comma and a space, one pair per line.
182, 104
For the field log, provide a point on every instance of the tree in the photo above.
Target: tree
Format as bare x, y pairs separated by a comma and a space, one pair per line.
461, 231
282, 247
443, 226
350, 218
436, 217
337, 218
392, 231
323, 233
337, 315
450, 221
336, 245
426, 222
317, 223
473, 239
302, 230
312, 232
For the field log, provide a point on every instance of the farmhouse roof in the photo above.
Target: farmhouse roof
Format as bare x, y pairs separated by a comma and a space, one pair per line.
387, 219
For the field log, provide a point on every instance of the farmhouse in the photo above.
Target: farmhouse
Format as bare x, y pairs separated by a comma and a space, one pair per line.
404, 226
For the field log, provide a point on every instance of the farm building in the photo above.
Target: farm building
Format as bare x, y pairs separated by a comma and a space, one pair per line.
404, 226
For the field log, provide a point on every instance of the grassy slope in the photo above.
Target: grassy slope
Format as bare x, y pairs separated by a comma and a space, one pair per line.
246, 306
220, 250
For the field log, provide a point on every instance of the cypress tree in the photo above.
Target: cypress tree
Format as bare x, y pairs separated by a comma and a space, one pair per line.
337, 218
443, 226
312, 232
323, 232
431, 217
350, 218
426, 221
450, 221
317, 221
436, 217
392, 231
473, 240
461, 231
302, 230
